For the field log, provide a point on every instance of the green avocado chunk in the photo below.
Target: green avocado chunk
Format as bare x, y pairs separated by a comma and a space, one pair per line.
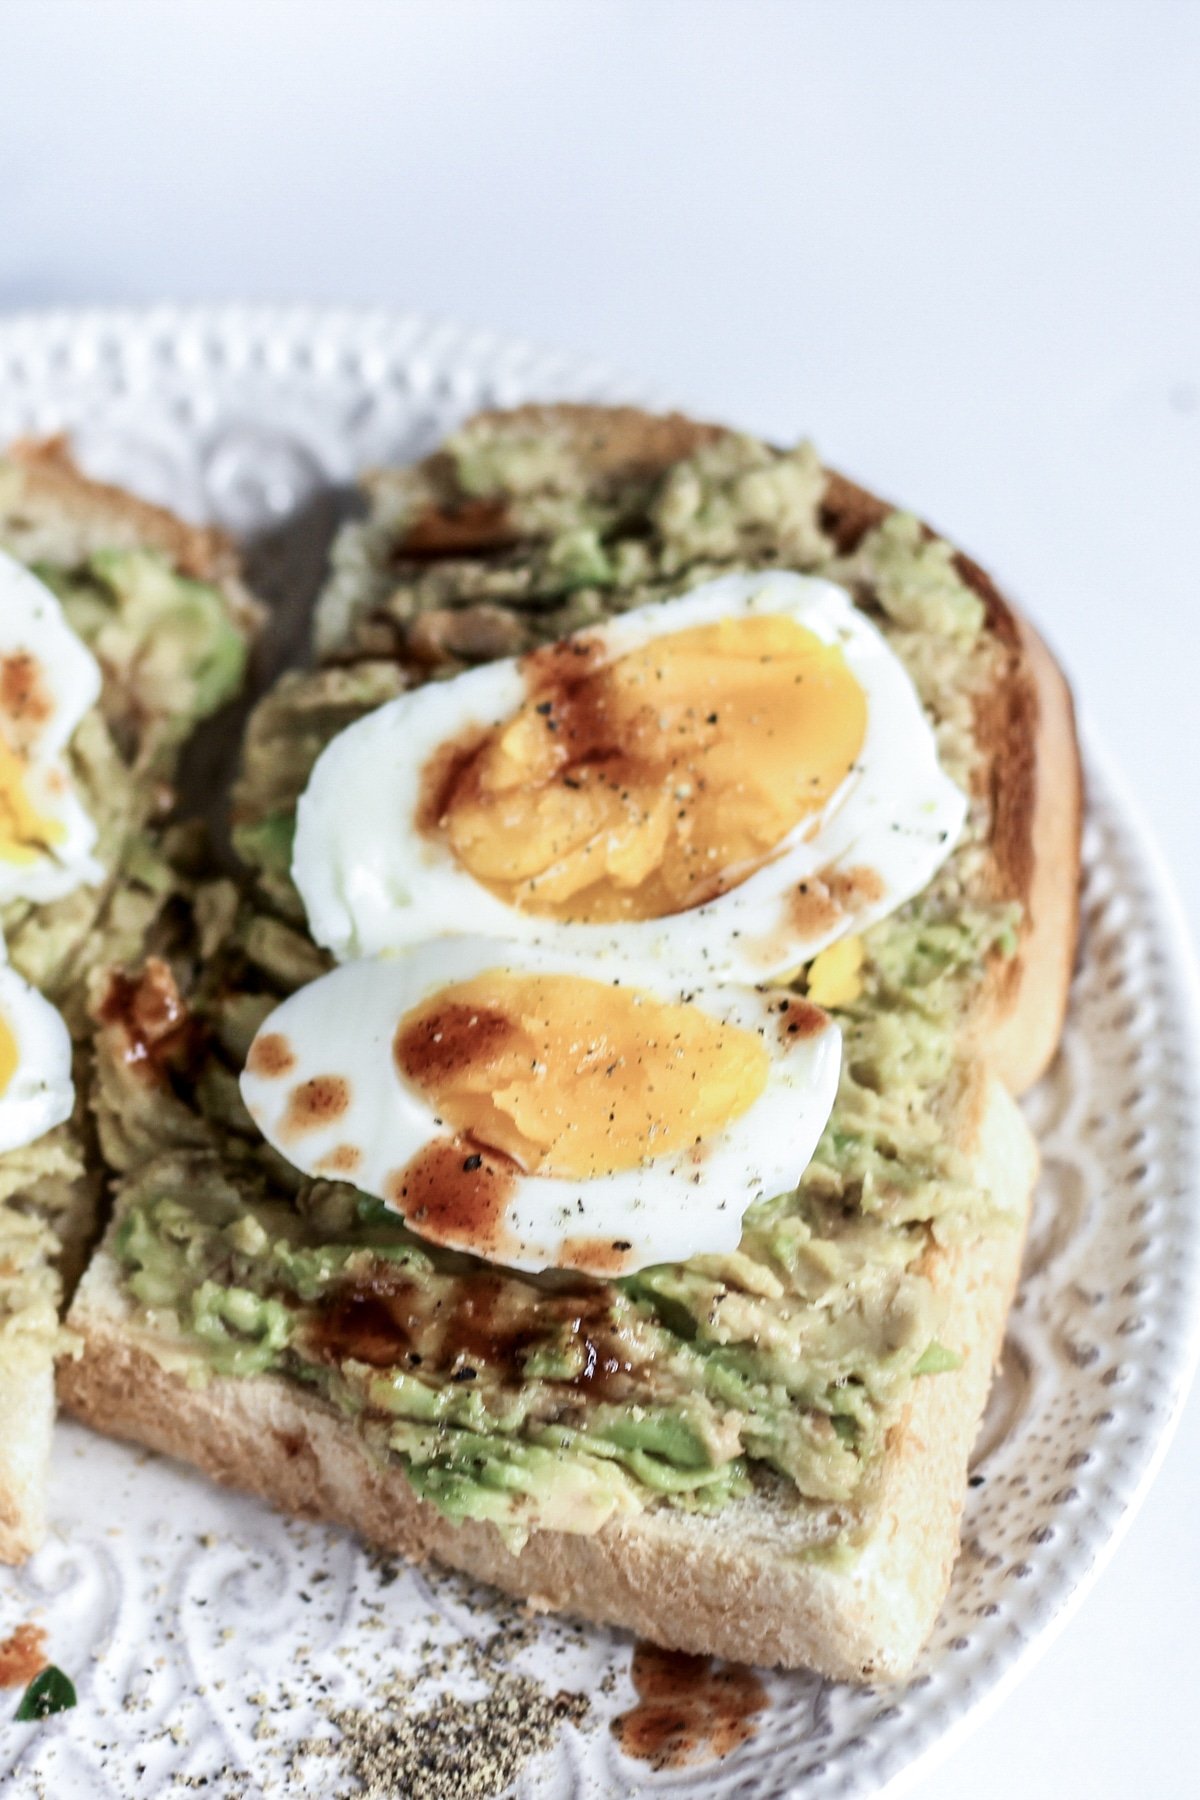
185, 654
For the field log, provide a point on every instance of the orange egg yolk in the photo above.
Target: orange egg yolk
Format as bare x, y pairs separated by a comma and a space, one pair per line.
10, 1055
25, 833
642, 786
576, 1078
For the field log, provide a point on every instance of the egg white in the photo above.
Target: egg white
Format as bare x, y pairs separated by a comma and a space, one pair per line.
40, 1093
672, 1207
32, 623
372, 881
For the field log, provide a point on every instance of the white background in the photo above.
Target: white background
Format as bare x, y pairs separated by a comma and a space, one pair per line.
958, 244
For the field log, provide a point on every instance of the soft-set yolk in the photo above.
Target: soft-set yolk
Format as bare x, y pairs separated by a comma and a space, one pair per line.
639, 787
10, 1055
576, 1078
25, 833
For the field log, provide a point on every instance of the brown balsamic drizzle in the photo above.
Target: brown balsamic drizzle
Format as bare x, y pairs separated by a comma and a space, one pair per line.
688, 1711
468, 528
559, 678
358, 1325
566, 682
314, 1104
151, 1017
343, 1159
271, 1056
561, 665
599, 1256
851, 888
487, 1322
801, 1019
445, 769
455, 1193
22, 1656
823, 900
485, 1327
25, 701
811, 909
445, 1041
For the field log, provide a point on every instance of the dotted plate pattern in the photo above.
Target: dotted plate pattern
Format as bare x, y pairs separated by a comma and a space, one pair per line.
206, 1635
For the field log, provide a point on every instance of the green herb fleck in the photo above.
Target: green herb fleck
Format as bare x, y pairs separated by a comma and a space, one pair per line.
49, 1692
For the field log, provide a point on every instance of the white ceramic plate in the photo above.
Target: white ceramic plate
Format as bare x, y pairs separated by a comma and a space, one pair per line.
207, 1636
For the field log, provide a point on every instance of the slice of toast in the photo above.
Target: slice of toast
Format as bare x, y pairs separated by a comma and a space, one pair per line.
452, 568
123, 756
751, 1583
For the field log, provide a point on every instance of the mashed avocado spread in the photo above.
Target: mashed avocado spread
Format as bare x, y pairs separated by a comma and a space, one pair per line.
548, 1400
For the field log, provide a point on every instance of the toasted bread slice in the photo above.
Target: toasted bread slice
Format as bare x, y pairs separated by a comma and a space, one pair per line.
53, 517
756, 1581
52, 509
749, 1583
29, 1336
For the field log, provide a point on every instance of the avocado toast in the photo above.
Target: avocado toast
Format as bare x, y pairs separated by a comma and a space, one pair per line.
760, 1454
161, 607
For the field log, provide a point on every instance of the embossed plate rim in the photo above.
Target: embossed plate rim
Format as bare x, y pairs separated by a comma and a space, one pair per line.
80, 366
1102, 776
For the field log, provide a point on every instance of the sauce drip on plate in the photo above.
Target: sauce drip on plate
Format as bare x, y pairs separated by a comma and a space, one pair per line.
22, 1656
688, 1710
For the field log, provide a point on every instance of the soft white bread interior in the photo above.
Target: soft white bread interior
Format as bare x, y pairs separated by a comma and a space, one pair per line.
29, 1337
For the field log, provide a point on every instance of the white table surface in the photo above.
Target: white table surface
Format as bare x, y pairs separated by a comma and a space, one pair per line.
959, 244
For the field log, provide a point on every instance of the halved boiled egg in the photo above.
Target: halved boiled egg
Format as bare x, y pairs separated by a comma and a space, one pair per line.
521, 1107
725, 783
48, 681
36, 1090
